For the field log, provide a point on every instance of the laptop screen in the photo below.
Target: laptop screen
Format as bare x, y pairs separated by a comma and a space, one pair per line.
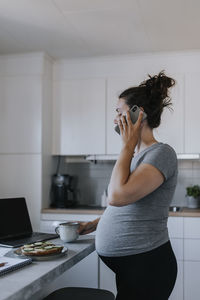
14, 218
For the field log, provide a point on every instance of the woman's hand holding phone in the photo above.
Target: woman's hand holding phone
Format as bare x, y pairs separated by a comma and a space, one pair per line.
130, 133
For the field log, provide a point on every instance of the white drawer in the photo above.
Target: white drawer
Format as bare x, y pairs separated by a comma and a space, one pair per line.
175, 227
192, 249
177, 246
192, 227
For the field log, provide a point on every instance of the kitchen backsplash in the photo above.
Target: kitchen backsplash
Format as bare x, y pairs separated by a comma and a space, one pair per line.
93, 178
189, 174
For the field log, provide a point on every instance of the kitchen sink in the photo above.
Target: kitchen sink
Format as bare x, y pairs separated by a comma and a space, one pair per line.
175, 208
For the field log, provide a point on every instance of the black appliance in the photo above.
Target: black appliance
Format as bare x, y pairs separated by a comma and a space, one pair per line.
16, 228
62, 193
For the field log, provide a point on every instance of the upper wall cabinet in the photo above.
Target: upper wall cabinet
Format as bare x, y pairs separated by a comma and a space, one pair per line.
20, 114
171, 129
192, 109
79, 117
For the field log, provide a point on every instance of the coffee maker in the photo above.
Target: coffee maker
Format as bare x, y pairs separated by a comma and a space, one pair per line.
62, 194
62, 191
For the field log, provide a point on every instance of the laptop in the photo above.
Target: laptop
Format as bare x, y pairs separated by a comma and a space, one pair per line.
15, 224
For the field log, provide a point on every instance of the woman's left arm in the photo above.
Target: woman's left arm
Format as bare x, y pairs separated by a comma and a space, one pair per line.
125, 188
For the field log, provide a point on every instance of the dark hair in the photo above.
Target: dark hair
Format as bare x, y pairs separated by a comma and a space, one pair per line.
152, 95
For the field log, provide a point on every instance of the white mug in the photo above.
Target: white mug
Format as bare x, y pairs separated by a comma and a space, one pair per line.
68, 231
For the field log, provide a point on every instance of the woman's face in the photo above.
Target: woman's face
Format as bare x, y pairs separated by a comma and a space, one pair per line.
121, 109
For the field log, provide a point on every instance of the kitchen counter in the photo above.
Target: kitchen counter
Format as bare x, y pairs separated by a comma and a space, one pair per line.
25, 282
184, 212
93, 210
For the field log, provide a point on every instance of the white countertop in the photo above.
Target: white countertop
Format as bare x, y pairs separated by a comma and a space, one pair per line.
24, 282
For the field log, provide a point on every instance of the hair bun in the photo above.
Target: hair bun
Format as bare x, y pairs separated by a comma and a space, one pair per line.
157, 86
160, 81
152, 95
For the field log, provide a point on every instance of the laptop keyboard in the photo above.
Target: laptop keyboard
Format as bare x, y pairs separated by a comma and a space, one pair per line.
35, 236
38, 233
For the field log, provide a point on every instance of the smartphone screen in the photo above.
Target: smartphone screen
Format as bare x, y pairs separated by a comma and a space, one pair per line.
134, 113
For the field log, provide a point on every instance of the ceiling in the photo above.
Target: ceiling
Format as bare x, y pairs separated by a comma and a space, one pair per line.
87, 28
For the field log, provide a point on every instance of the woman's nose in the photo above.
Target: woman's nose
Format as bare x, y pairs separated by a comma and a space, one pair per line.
117, 118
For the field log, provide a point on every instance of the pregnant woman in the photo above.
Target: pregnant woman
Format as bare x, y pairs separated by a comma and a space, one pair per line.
132, 236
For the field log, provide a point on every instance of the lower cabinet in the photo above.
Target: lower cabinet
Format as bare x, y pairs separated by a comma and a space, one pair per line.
90, 272
191, 280
106, 278
177, 293
176, 232
184, 235
177, 246
83, 274
192, 258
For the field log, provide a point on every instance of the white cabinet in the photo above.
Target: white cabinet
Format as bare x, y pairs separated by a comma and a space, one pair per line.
171, 129
192, 228
191, 280
191, 258
79, 117
192, 249
107, 278
175, 227
20, 114
177, 293
192, 108
83, 274
177, 246
176, 233
84, 111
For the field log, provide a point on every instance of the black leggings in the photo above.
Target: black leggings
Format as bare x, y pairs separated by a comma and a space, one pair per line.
146, 276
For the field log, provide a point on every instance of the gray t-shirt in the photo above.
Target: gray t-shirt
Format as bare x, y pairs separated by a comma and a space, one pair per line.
141, 226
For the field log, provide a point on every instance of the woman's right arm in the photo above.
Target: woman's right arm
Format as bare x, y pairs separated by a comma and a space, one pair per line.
88, 227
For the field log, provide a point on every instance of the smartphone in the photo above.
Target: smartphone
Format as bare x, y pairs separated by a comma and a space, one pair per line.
134, 113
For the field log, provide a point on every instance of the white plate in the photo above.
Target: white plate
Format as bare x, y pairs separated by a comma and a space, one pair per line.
42, 257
